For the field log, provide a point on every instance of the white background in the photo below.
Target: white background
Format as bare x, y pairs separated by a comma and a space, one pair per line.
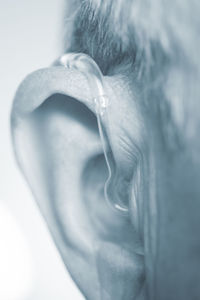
30, 267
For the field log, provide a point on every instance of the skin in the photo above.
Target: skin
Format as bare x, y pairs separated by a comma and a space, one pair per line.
154, 252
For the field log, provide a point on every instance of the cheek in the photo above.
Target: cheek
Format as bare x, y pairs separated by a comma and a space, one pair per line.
177, 230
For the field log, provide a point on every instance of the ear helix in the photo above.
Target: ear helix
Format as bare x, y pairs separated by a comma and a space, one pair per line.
116, 190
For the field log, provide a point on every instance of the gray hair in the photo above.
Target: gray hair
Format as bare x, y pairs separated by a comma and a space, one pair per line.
110, 30
149, 36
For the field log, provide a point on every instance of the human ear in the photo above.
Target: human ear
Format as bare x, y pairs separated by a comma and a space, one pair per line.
57, 145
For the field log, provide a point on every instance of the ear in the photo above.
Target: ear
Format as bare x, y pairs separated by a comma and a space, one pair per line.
57, 145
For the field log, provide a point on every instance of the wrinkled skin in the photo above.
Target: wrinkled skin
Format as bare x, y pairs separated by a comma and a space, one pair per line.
58, 148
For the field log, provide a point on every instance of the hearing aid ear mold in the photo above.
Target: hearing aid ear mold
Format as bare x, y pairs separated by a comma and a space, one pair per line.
115, 192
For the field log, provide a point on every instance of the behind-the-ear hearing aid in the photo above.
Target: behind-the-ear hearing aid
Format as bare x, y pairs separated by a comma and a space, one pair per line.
117, 193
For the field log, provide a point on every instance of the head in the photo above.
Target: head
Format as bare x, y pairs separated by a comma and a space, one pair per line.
148, 54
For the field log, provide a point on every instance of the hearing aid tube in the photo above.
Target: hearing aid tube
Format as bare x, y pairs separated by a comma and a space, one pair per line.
116, 189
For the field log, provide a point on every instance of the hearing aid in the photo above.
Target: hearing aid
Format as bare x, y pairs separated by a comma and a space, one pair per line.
116, 192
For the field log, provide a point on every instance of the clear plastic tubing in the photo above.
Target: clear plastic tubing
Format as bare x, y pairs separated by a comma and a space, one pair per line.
115, 189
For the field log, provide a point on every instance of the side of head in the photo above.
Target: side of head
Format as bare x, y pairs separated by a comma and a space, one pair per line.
148, 53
